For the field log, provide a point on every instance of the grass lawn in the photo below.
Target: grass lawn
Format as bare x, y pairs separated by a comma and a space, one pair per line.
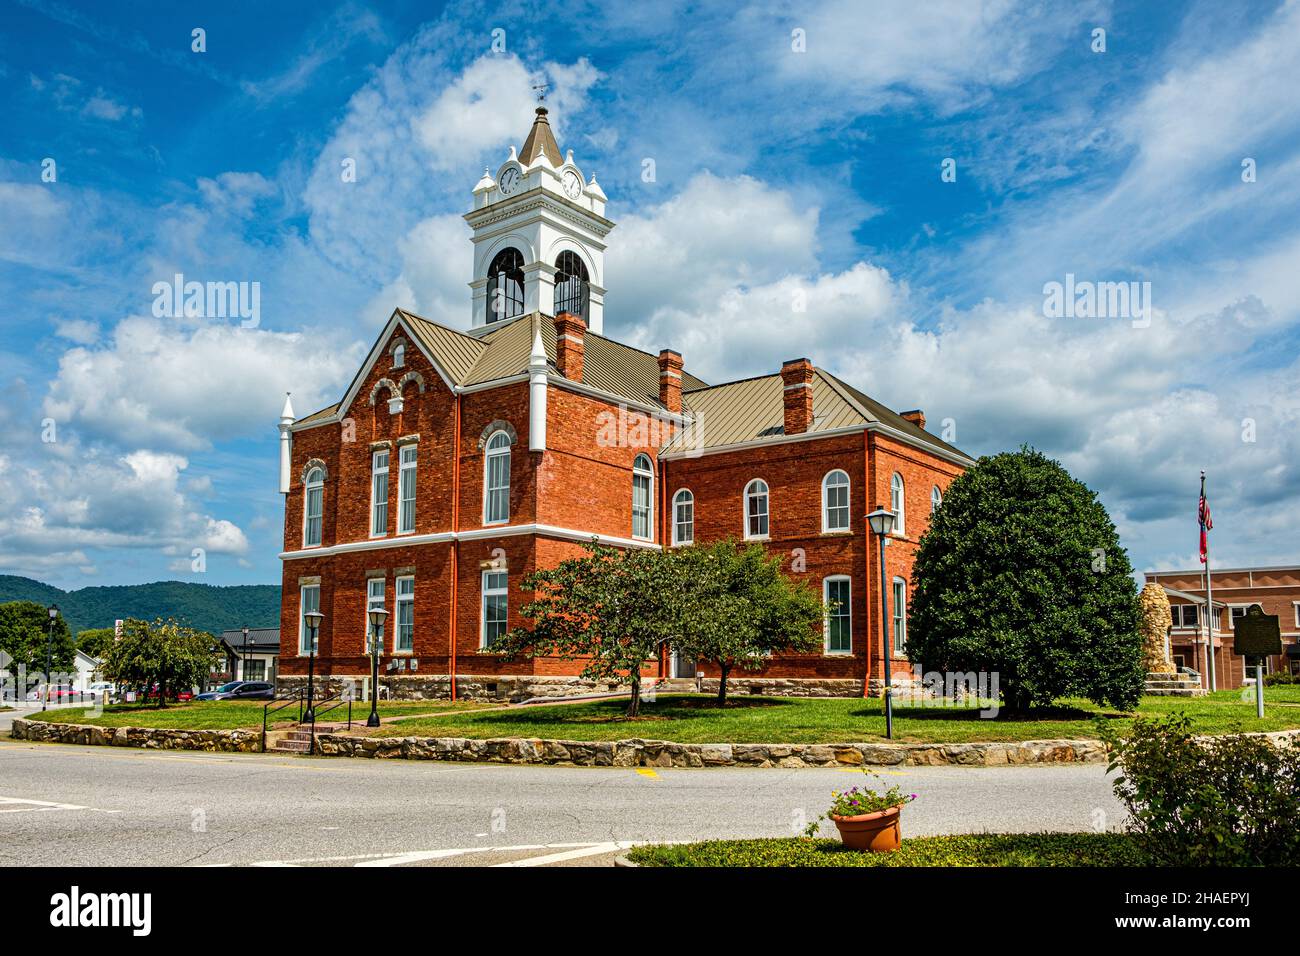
691, 718
233, 714
983, 849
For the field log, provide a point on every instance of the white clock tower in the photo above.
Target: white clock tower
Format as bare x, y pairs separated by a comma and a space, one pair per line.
539, 236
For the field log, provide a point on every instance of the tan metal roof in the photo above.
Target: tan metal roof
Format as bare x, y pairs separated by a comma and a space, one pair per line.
540, 141
455, 352
877, 412
317, 416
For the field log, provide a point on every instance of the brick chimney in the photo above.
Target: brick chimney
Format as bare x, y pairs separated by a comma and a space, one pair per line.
569, 330
797, 374
916, 417
670, 380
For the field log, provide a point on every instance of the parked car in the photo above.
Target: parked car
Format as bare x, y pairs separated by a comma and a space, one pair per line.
181, 696
241, 690
104, 689
224, 692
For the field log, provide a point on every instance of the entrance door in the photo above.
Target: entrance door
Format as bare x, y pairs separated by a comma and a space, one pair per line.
683, 667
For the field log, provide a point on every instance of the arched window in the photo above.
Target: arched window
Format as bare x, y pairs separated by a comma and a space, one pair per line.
496, 479
835, 501
643, 477
896, 502
399, 356
313, 508
683, 517
571, 283
936, 499
756, 509
505, 289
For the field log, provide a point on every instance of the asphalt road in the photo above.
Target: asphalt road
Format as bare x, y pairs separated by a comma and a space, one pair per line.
109, 806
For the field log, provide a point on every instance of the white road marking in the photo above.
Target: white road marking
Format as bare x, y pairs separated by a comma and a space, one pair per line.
568, 851
22, 805
550, 858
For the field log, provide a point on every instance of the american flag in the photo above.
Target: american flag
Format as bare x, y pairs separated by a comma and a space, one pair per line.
1203, 514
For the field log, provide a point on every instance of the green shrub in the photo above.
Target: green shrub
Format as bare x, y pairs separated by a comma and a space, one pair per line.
974, 849
1210, 801
1281, 679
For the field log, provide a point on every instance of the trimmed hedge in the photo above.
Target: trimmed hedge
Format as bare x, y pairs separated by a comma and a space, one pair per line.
974, 849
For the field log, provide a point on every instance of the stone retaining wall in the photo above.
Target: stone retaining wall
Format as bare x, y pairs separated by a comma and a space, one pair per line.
228, 741
438, 686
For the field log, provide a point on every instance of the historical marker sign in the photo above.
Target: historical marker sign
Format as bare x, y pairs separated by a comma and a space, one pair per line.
1256, 634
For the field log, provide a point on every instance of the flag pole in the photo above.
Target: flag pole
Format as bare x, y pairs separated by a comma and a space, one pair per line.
1209, 594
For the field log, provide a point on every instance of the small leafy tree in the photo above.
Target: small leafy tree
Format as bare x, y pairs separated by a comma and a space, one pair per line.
742, 609
25, 636
163, 653
614, 610
95, 641
1021, 572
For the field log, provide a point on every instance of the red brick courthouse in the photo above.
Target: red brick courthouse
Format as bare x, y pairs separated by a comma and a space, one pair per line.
459, 461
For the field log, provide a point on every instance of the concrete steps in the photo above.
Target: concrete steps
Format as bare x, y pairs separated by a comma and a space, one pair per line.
1168, 684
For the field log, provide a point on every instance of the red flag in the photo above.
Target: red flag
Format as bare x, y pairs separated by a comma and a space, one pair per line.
1203, 513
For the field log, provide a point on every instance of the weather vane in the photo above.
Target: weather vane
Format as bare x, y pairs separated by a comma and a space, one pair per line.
540, 90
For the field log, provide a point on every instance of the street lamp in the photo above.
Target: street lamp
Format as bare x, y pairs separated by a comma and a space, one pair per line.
243, 675
313, 628
49, 652
882, 523
377, 617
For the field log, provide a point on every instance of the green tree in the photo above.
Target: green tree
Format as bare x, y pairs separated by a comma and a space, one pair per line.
614, 610
164, 653
95, 641
742, 609
1021, 573
25, 634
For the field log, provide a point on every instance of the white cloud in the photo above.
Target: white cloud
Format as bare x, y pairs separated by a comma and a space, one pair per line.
77, 330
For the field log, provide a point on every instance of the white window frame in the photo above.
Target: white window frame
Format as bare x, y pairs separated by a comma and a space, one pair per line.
399, 356
684, 496
302, 617
1295, 606
309, 486
847, 485
936, 499
643, 471
403, 602
898, 503
374, 601
897, 620
766, 495
378, 507
489, 453
406, 469
485, 592
845, 612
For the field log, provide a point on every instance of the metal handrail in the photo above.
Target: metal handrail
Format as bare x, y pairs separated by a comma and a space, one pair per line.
267, 709
317, 711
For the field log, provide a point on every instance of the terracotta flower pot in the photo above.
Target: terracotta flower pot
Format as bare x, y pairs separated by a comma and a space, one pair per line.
877, 832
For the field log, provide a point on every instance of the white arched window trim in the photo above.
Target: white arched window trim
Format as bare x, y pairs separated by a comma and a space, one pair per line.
684, 517
835, 513
643, 498
936, 499
313, 508
758, 517
898, 503
496, 478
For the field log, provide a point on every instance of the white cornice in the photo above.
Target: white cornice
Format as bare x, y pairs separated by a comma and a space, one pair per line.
474, 534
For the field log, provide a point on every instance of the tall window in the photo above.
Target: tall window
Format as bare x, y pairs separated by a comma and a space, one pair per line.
835, 502
642, 494
570, 284
505, 287
313, 508
374, 599
900, 616
399, 356
936, 499
683, 517
405, 599
496, 479
494, 606
308, 600
839, 615
379, 495
406, 490
896, 502
756, 509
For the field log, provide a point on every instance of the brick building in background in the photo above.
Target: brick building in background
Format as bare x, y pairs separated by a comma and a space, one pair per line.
1275, 589
459, 461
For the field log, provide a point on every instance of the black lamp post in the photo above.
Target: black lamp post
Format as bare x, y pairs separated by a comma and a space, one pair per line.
377, 617
243, 675
882, 523
49, 653
313, 628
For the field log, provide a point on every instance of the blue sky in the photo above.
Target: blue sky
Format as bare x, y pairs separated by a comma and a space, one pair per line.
780, 175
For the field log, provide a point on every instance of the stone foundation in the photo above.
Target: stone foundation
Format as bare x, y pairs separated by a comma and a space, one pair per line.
740, 685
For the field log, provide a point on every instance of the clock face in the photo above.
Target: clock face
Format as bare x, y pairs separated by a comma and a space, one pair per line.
510, 181
572, 184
